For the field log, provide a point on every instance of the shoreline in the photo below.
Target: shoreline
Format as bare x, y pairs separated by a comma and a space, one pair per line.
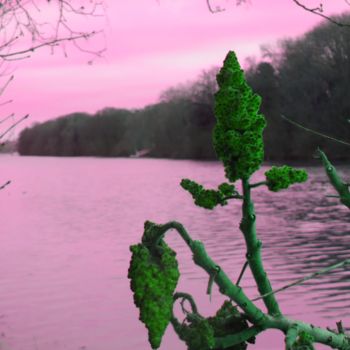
291, 162
313, 162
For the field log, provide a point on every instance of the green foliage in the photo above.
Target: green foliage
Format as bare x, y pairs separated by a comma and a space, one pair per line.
282, 177
153, 280
198, 335
228, 320
237, 135
208, 199
201, 333
304, 342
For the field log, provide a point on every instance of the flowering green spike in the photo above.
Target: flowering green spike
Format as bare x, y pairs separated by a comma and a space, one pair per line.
237, 135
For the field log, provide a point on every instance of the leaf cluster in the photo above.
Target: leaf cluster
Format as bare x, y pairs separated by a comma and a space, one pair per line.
208, 199
279, 178
153, 281
201, 333
237, 135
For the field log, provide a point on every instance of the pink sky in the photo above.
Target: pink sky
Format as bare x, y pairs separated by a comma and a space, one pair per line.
151, 45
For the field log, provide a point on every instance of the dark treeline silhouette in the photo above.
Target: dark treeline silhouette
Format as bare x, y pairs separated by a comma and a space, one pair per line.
167, 129
305, 79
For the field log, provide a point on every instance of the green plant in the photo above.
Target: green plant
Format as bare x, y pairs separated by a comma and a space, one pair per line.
153, 271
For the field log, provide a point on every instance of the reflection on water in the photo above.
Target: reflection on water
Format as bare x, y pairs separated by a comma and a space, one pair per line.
67, 224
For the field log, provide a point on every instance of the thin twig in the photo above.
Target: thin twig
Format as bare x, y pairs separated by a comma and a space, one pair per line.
318, 11
13, 125
6, 84
6, 102
9, 116
50, 43
5, 184
340, 327
217, 8
300, 281
242, 272
314, 132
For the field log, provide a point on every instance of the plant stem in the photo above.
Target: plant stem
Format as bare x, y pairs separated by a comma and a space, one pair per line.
323, 336
300, 281
201, 258
341, 187
258, 184
247, 226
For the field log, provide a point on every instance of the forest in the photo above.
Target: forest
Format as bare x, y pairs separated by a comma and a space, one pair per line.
305, 79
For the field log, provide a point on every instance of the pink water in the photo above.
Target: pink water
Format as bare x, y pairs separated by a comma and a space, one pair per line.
67, 224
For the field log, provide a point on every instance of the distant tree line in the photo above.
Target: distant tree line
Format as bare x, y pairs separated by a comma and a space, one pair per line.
305, 79
168, 129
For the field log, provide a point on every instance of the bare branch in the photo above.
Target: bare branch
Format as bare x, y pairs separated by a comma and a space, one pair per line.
314, 132
51, 43
315, 10
343, 264
12, 126
319, 11
217, 8
17, 20
5, 184
81, 12
6, 102
10, 42
6, 84
9, 116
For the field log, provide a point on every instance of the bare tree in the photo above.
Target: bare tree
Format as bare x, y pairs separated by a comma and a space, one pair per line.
199, 92
22, 33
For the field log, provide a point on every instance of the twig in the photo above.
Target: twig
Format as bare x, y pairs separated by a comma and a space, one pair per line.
50, 43
340, 327
12, 126
5, 184
314, 132
9, 116
5, 86
318, 11
300, 281
242, 272
6, 102
217, 8
258, 184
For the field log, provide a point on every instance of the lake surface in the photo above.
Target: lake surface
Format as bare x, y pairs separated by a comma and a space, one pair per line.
67, 224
